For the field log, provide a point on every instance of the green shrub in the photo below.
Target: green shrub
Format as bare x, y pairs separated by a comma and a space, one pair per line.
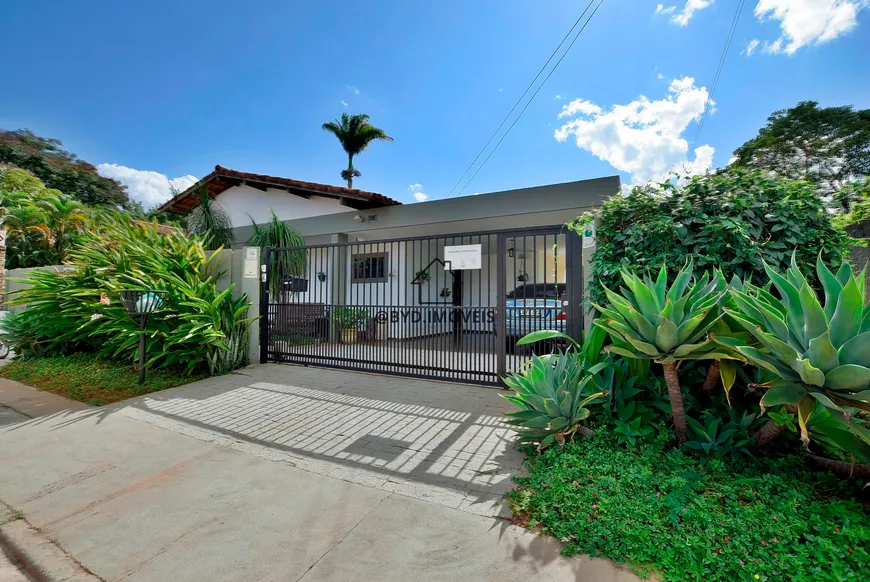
199, 328
730, 220
654, 508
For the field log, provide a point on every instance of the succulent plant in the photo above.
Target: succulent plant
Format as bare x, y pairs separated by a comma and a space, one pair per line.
650, 320
552, 392
820, 352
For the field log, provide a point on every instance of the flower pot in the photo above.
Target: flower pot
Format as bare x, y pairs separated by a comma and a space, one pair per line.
349, 336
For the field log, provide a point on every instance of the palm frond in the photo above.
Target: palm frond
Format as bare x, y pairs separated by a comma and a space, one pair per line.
278, 234
355, 133
211, 223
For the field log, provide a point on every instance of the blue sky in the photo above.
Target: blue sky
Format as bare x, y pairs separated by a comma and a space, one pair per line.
161, 90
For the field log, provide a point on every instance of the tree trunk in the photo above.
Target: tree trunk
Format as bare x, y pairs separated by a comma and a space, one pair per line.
767, 434
587, 432
349, 171
712, 377
840, 468
676, 396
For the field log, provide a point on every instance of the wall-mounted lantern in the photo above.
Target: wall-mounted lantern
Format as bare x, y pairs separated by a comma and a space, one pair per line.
141, 303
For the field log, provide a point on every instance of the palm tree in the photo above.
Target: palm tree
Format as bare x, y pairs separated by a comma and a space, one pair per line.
278, 234
210, 222
355, 134
66, 217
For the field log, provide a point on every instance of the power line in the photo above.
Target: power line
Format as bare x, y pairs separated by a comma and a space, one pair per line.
503, 121
529, 102
718, 72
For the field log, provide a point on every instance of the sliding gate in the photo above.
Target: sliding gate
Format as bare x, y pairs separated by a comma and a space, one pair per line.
442, 307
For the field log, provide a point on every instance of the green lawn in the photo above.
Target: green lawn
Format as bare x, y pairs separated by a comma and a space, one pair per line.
658, 510
86, 378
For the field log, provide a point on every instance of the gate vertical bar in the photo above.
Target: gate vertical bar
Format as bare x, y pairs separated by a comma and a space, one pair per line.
574, 280
264, 306
501, 313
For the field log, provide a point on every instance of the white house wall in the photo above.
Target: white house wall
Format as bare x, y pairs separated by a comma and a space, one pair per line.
242, 203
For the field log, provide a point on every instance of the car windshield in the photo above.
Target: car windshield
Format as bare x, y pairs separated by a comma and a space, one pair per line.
538, 291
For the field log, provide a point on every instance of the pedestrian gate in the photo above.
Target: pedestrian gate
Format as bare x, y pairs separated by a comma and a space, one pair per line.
442, 307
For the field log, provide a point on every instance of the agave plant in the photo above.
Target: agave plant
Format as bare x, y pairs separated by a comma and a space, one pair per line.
819, 352
650, 320
552, 393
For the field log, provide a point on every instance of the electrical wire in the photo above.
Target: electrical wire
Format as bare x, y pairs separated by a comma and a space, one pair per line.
718, 72
503, 121
579, 32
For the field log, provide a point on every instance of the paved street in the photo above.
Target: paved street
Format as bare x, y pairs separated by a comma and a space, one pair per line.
283, 473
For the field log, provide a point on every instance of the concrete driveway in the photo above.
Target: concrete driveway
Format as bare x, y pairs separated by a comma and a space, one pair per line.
283, 473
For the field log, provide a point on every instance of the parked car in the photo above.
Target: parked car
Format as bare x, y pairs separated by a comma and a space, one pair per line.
532, 307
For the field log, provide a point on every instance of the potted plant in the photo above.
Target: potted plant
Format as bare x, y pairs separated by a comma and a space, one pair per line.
350, 319
421, 277
321, 276
522, 277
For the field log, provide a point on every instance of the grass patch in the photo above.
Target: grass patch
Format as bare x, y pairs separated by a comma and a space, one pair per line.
656, 509
88, 379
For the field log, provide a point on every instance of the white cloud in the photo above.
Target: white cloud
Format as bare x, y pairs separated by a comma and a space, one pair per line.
752, 46
660, 76
417, 191
685, 15
559, 96
352, 89
149, 188
643, 138
579, 106
806, 22
343, 103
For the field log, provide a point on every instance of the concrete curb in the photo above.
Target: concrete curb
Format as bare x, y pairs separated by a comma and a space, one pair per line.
40, 558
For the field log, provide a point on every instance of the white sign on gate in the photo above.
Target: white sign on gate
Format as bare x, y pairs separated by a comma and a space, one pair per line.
462, 257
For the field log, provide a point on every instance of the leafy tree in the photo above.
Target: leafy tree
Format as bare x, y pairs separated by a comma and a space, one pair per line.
856, 222
57, 168
210, 222
732, 220
827, 146
355, 134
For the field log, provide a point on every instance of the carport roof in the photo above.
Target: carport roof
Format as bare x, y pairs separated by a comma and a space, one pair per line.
224, 178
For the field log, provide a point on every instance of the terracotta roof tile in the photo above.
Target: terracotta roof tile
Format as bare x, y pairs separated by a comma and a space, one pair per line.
223, 178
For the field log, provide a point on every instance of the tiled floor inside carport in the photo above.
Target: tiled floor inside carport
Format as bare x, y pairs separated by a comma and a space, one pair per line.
441, 442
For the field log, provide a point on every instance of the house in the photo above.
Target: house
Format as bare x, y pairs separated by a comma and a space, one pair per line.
437, 289
246, 197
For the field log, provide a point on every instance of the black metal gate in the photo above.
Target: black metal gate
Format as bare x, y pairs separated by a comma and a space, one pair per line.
442, 307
